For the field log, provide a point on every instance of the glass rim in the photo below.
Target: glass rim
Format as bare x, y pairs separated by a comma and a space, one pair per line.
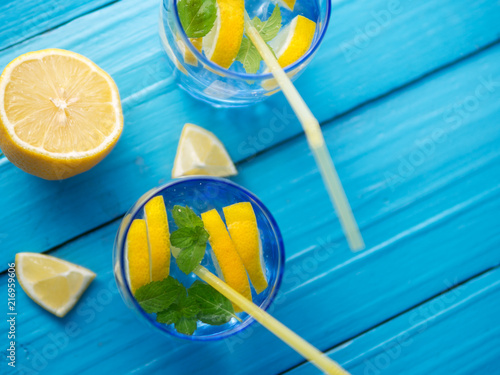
139, 205
246, 76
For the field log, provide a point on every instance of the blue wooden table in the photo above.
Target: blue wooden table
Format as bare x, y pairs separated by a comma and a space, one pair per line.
408, 94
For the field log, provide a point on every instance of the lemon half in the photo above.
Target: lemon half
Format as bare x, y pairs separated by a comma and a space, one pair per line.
60, 114
54, 284
222, 43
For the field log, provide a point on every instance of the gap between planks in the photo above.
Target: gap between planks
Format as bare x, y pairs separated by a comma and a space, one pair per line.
55, 27
417, 305
301, 134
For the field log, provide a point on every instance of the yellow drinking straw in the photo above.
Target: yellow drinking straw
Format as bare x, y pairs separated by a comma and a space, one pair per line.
315, 139
316, 357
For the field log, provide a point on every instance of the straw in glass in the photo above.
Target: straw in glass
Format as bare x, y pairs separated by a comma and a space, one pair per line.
316, 357
315, 139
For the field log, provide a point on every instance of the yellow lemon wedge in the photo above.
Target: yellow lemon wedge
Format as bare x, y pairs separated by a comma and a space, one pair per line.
228, 259
294, 40
60, 114
138, 260
222, 43
159, 238
189, 57
54, 284
288, 4
200, 152
242, 225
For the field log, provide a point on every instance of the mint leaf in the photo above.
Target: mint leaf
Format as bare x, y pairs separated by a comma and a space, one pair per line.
182, 237
214, 308
159, 295
182, 314
191, 238
197, 16
191, 257
185, 217
170, 316
249, 56
186, 326
187, 236
269, 29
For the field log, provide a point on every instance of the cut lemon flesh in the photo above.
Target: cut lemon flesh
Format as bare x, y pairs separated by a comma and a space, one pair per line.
228, 259
159, 238
54, 284
200, 152
294, 40
288, 4
189, 57
138, 255
222, 43
60, 114
242, 225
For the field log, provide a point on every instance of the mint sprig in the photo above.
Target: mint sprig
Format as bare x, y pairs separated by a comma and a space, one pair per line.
191, 238
159, 295
174, 304
197, 16
215, 309
185, 217
269, 29
248, 54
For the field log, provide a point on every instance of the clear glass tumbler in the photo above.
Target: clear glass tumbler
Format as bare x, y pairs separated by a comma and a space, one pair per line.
203, 194
233, 87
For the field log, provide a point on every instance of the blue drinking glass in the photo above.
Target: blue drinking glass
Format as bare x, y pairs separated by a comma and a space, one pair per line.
233, 87
203, 194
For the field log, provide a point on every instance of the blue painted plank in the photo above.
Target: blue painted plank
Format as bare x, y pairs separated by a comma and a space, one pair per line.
455, 333
122, 39
20, 20
436, 227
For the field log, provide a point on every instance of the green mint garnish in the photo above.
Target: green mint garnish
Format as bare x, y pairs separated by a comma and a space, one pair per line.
186, 326
185, 217
215, 309
248, 54
159, 295
270, 28
185, 307
191, 238
197, 16
181, 314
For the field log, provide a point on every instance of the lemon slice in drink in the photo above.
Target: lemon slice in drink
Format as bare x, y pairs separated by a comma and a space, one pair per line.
242, 225
158, 237
288, 4
189, 57
138, 260
60, 114
200, 152
294, 40
54, 284
222, 43
228, 259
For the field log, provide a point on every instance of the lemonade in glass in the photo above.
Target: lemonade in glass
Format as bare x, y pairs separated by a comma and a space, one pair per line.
153, 278
222, 67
